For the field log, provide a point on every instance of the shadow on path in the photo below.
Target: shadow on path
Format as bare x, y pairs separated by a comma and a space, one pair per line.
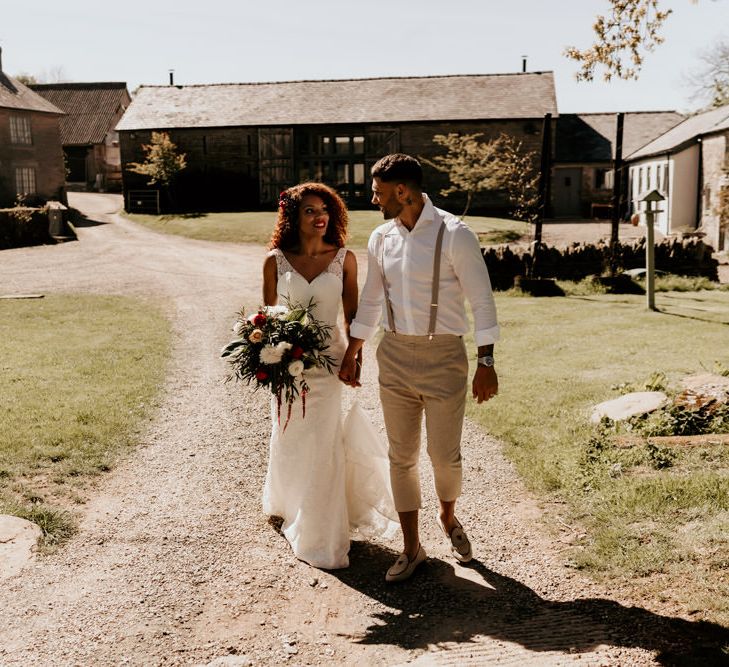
436, 607
79, 219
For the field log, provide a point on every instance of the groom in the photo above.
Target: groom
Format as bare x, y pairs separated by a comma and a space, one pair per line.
421, 264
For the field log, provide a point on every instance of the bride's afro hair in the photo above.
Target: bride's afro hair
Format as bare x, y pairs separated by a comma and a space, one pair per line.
286, 233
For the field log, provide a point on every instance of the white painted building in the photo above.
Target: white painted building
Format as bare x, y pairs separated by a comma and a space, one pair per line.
689, 165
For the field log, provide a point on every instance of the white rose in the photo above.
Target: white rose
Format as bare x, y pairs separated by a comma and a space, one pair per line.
256, 336
270, 355
276, 311
296, 368
283, 346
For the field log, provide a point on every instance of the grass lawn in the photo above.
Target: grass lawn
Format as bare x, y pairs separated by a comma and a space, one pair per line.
656, 518
256, 227
79, 376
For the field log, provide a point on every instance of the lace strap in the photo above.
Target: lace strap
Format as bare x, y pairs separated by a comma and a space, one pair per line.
282, 264
337, 264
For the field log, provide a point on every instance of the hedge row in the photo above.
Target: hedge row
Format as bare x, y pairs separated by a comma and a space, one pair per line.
21, 227
686, 257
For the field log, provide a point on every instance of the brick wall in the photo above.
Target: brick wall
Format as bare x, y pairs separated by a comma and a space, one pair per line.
44, 155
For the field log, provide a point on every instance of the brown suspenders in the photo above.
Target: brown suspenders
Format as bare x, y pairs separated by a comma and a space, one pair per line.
435, 283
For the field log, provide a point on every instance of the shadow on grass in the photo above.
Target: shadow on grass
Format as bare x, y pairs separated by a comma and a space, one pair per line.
169, 217
437, 607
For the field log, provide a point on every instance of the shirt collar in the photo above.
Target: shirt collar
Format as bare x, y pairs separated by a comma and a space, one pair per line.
427, 215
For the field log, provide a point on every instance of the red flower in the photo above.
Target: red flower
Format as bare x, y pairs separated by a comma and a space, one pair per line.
297, 352
259, 320
261, 375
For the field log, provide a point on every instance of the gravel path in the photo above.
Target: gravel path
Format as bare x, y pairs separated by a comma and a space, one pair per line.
176, 564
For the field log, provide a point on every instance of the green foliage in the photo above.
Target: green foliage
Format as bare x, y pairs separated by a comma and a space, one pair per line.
499, 164
162, 161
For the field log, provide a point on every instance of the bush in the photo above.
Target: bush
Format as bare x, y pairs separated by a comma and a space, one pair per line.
22, 226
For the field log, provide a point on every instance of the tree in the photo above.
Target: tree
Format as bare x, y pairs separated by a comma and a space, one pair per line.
162, 162
621, 38
710, 82
27, 79
56, 74
497, 165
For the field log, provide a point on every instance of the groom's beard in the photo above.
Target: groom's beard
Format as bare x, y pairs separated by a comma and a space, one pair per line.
391, 210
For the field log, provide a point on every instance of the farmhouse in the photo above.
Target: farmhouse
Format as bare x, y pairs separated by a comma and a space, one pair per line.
31, 159
244, 143
90, 142
689, 165
582, 185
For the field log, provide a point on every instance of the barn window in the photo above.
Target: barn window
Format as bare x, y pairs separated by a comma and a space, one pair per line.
25, 180
20, 130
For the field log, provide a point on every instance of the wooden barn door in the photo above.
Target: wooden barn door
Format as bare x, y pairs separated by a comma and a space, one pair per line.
275, 161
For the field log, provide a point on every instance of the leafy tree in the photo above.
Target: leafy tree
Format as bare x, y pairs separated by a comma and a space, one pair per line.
162, 162
621, 38
27, 79
710, 82
499, 164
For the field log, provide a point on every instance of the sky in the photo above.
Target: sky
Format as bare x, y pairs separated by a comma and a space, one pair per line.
223, 41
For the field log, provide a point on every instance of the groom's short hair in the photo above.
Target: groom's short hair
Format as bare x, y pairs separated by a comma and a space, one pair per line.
399, 168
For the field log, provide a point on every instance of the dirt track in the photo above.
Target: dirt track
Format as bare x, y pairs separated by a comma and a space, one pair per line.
176, 564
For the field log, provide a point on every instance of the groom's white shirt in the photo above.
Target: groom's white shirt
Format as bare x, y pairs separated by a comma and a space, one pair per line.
408, 264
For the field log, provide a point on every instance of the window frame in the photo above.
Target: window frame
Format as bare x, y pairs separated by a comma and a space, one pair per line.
21, 130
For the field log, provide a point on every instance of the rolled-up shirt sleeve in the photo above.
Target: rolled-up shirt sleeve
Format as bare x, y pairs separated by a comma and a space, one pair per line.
470, 269
369, 312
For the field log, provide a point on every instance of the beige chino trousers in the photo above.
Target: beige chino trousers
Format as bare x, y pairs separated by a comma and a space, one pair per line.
420, 375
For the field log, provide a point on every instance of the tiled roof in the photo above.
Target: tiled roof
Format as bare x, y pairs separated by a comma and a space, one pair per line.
459, 97
92, 109
590, 137
15, 95
691, 128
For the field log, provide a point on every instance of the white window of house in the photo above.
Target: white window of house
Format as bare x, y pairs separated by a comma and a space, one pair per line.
648, 175
640, 180
20, 130
604, 179
25, 180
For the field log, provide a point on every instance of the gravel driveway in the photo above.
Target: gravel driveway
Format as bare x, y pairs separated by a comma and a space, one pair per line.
176, 564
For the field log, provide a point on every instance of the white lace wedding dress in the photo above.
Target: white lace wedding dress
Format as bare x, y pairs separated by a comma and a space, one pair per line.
325, 478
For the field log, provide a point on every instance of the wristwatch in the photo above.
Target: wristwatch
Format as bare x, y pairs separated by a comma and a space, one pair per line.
487, 360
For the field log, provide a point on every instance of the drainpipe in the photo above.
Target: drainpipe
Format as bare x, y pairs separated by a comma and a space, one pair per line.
700, 184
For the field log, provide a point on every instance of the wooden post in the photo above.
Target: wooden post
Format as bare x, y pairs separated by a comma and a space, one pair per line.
617, 194
650, 281
651, 201
544, 178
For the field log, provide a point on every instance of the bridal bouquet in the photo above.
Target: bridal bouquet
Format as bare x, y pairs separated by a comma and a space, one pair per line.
275, 346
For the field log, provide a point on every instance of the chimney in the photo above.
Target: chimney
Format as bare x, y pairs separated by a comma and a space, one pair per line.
523, 63
172, 77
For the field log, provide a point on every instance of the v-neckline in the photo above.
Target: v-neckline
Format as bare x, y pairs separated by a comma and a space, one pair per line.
301, 275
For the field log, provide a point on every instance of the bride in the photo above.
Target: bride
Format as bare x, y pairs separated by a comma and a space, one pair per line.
324, 478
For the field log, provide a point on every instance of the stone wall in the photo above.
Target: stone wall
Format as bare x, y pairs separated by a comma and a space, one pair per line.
687, 257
